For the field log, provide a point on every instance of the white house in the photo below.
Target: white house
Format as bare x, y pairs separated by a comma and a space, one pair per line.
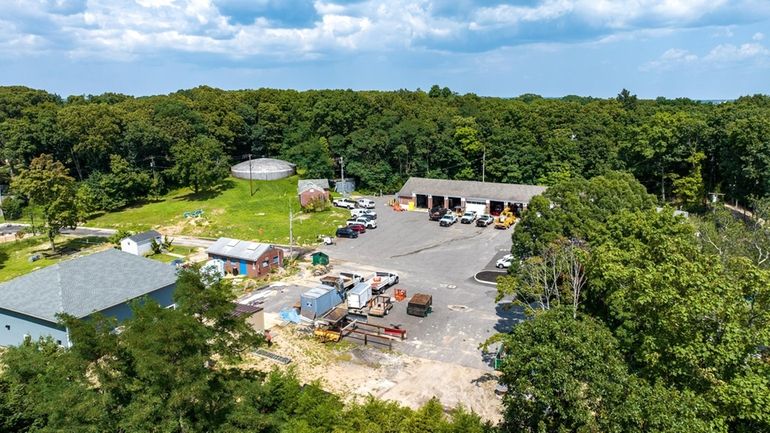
140, 243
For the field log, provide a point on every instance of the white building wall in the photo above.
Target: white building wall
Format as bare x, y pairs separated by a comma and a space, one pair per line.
129, 246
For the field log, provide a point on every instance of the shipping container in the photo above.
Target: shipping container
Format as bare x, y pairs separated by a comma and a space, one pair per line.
359, 296
318, 301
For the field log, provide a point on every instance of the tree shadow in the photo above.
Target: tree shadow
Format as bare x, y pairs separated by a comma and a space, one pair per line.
508, 315
208, 194
3, 258
74, 245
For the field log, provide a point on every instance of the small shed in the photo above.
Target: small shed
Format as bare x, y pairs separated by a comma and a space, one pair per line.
320, 258
312, 191
254, 314
140, 243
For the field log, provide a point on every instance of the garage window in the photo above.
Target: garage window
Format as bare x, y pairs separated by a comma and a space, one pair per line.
275, 260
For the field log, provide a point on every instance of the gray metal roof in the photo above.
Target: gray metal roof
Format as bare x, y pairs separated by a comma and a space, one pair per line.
471, 189
84, 285
238, 249
304, 184
144, 236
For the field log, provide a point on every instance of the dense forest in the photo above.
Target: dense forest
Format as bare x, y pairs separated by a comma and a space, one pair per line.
642, 320
675, 148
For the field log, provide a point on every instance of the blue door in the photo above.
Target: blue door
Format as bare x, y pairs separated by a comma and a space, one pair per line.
244, 268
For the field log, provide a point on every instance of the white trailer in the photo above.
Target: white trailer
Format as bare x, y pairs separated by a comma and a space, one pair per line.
359, 297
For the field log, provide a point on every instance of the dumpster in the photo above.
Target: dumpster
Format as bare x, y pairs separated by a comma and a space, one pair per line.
420, 305
320, 258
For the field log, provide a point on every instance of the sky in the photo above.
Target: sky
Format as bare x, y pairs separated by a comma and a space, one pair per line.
701, 49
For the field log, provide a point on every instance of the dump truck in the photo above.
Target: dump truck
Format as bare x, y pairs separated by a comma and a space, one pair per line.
380, 306
505, 220
420, 305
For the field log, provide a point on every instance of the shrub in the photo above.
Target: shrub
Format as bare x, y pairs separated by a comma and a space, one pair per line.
12, 208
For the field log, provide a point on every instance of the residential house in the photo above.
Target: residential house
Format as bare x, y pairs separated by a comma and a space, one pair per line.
105, 282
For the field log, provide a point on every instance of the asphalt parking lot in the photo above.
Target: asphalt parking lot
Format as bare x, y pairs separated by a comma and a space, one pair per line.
439, 261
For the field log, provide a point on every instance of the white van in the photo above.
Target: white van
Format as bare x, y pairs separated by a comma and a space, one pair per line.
365, 203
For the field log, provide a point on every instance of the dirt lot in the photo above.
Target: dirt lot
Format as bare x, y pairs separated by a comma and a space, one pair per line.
355, 372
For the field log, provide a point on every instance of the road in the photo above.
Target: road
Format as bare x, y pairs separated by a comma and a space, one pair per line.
184, 241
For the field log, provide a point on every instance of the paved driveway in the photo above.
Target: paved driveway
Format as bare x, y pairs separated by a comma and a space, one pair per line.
439, 261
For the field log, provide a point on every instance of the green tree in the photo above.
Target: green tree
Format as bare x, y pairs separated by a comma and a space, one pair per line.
201, 164
48, 186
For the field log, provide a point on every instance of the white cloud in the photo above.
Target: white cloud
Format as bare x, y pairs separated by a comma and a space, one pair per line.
127, 28
722, 55
669, 59
729, 53
758, 36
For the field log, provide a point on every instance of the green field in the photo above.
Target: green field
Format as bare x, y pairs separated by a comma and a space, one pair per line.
14, 256
231, 212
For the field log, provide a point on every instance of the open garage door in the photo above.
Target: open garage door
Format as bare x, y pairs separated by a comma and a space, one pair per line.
495, 207
421, 201
479, 207
455, 202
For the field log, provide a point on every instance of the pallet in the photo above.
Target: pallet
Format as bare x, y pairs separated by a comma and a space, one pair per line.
273, 356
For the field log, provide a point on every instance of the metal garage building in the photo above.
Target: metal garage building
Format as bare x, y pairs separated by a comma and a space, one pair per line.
482, 197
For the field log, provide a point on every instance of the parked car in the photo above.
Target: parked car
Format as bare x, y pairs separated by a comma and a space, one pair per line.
370, 224
437, 212
363, 212
484, 220
505, 261
346, 232
358, 227
447, 220
344, 202
365, 203
468, 217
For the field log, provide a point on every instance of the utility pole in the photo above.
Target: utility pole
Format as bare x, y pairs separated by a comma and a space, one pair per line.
342, 174
484, 165
251, 182
291, 232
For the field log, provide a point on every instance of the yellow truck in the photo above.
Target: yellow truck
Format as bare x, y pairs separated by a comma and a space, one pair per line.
505, 220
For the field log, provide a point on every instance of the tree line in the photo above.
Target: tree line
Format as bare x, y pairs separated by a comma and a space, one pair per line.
642, 320
679, 149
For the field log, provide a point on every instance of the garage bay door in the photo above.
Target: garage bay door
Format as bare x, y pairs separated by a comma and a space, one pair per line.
479, 206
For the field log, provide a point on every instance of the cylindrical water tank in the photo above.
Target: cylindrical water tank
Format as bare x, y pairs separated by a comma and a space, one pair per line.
264, 169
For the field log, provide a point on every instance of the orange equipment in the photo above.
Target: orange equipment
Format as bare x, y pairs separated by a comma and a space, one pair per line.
400, 295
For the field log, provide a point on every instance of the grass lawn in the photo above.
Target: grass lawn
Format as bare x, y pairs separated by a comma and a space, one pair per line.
14, 256
231, 212
168, 258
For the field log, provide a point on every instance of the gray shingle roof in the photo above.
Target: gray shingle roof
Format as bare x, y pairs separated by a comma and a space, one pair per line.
84, 285
471, 189
238, 249
144, 236
304, 184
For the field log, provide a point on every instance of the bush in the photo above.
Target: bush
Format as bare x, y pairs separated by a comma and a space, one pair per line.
12, 208
317, 204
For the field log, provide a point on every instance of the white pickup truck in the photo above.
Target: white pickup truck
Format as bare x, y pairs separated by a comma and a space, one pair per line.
380, 281
370, 224
344, 202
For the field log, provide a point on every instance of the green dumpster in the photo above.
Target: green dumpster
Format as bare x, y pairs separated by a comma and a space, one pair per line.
320, 258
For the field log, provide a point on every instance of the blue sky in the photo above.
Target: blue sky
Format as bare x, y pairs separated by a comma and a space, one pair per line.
702, 49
